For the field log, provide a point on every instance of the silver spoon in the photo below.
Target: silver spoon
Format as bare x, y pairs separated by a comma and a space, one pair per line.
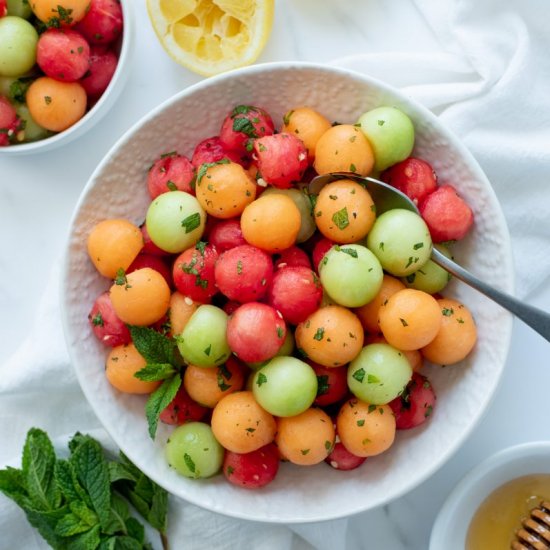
387, 197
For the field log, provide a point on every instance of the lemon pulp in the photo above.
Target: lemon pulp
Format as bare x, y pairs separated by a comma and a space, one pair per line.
212, 36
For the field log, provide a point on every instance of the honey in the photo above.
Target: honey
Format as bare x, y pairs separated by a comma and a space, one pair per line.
496, 521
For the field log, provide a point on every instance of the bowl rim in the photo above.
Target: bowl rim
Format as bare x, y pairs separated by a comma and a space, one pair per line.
103, 104
493, 468
507, 283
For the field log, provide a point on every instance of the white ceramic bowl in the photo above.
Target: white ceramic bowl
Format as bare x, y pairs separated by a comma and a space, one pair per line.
104, 103
452, 523
117, 189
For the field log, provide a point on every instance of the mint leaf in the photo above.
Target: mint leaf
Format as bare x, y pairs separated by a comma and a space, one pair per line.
135, 529
159, 400
64, 476
89, 540
70, 525
123, 542
158, 514
241, 110
191, 222
244, 125
12, 484
155, 371
153, 346
341, 219
45, 523
119, 514
81, 511
206, 165
38, 470
118, 472
93, 473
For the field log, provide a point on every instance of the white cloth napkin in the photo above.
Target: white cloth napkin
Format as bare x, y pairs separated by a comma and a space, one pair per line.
491, 87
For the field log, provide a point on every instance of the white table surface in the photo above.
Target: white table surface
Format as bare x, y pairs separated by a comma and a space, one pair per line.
38, 194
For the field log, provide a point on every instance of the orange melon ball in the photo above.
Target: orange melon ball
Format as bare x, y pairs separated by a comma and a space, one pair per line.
271, 222
410, 319
343, 148
208, 385
368, 314
414, 357
122, 363
306, 438
331, 336
240, 424
456, 337
344, 211
181, 310
223, 190
308, 124
364, 429
65, 12
56, 105
140, 298
114, 245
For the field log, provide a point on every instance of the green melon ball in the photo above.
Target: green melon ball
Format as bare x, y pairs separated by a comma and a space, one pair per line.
351, 275
193, 451
203, 341
390, 133
401, 241
18, 39
378, 374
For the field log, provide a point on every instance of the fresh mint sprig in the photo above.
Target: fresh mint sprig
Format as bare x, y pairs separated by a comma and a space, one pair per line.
163, 363
82, 503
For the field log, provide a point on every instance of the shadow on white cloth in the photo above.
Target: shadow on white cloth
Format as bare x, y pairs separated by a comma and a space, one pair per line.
491, 89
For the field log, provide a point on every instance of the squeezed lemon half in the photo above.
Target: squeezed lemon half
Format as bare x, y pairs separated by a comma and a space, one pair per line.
212, 36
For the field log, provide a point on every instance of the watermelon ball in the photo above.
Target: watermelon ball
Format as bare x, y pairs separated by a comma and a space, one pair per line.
103, 65
9, 122
446, 214
281, 159
341, 459
182, 409
244, 273
171, 172
296, 292
226, 234
252, 470
193, 272
414, 177
255, 332
241, 127
210, 151
292, 257
106, 325
415, 405
103, 22
63, 54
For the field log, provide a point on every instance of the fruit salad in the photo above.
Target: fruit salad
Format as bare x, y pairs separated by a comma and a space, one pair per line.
267, 323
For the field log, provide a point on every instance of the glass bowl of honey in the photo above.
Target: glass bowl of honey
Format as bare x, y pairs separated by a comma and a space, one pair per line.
489, 506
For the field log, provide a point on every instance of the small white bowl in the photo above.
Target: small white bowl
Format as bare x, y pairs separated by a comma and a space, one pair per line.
299, 494
451, 526
102, 106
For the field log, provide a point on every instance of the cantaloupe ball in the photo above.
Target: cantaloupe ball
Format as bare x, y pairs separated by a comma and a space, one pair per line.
140, 298
240, 424
364, 429
410, 319
122, 363
343, 148
180, 311
271, 222
456, 337
306, 438
56, 105
344, 211
114, 245
368, 314
331, 336
207, 386
223, 190
307, 124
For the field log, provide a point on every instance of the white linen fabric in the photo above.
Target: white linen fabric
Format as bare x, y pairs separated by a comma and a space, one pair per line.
491, 88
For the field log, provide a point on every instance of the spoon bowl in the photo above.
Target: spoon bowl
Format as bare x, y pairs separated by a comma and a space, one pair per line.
387, 198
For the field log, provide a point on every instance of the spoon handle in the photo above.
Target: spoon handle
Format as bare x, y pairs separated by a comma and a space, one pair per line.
535, 318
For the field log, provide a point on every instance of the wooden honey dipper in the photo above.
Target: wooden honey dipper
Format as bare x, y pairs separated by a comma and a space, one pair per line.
535, 531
